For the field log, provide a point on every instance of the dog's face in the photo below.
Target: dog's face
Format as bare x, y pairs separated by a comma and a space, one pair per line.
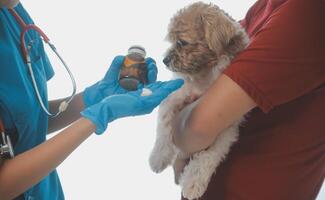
200, 34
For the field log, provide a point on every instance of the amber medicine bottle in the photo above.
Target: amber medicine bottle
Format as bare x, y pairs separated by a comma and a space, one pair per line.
134, 69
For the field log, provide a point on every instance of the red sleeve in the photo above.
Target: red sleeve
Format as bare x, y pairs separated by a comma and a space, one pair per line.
251, 12
286, 56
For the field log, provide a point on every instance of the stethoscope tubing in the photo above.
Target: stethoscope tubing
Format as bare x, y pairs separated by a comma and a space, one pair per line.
25, 28
6, 148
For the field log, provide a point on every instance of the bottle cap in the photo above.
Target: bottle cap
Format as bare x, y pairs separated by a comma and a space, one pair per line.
138, 50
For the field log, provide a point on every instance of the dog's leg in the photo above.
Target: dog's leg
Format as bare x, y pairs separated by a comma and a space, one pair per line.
164, 150
197, 174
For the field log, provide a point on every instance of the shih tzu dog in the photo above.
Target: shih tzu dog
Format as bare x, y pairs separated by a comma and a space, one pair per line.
204, 41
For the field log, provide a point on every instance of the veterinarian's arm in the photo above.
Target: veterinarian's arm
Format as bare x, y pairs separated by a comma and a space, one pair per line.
67, 117
107, 86
199, 124
27, 169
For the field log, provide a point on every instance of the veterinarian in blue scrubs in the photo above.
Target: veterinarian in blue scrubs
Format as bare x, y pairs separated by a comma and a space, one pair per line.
31, 173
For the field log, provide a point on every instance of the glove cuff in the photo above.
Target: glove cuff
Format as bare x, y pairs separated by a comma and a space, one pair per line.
94, 114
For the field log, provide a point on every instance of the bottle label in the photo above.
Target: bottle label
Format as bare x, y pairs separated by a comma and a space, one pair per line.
128, 62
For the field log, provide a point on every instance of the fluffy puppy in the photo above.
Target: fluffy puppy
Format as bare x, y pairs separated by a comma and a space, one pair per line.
204, 40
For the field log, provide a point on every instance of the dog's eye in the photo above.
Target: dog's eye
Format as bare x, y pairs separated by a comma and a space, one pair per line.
181, 43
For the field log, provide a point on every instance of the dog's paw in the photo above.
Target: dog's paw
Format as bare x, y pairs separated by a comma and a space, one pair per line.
157, 163
193, 190
192, 187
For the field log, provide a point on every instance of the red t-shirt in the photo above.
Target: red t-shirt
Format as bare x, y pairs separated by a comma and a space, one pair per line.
280, 154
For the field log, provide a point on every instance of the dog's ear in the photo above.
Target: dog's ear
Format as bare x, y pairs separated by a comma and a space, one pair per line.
237, 43
223, 35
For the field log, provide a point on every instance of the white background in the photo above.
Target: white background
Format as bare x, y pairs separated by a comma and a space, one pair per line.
89, 34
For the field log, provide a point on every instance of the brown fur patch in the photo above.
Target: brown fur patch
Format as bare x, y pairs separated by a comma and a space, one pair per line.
200, 34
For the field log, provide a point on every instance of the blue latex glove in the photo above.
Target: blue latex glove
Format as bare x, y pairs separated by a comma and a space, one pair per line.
109, 85
129, 104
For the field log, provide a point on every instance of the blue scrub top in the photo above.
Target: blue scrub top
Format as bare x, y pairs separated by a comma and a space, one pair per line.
20, 110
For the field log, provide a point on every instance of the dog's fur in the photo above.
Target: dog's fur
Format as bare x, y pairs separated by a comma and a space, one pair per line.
204, 41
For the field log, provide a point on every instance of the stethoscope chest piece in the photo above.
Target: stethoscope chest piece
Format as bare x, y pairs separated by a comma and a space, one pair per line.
6, 148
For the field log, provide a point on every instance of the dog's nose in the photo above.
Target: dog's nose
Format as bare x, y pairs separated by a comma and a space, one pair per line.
167, 60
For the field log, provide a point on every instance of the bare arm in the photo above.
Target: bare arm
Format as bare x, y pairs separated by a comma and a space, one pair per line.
8, 3
67, 117
27, 169
199, 124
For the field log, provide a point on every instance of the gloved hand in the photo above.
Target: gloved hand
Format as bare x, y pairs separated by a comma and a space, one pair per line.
109, 85
129, 104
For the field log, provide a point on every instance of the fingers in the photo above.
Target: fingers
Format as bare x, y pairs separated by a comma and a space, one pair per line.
155, 86
168, 87
152, 70
114, 70
162, 89
173, 85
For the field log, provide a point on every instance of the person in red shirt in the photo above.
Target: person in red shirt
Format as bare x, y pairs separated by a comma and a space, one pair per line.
278, 84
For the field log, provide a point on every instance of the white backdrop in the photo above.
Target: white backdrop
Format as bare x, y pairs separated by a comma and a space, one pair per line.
89, 34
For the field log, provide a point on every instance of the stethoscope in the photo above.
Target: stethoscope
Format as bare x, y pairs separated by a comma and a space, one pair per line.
25, 52
6, 148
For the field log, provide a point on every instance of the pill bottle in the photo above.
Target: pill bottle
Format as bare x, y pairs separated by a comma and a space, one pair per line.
134, 69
